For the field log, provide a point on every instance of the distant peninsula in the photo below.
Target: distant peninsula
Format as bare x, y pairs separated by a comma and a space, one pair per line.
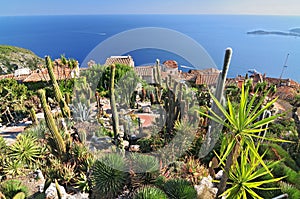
295, 32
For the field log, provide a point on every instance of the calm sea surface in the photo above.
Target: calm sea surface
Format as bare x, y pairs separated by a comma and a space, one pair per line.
76, 36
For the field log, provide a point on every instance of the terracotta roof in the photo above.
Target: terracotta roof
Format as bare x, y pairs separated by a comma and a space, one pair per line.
42, 75
126, 60
207, 76
170, 64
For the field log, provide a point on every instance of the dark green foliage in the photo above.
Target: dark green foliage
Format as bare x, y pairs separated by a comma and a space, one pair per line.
276, 152
292, 176
11, 187
148, 192
179, 189
145, 168
109, 176
293, 192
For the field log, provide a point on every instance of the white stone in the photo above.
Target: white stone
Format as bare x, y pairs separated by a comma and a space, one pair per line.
51, 192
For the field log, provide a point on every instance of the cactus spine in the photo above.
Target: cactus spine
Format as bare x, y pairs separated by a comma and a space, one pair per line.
63, 106
115, 116
51, 123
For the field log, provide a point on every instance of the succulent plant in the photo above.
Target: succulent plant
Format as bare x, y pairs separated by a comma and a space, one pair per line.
179, 189
145, 169
149, 192
109, 176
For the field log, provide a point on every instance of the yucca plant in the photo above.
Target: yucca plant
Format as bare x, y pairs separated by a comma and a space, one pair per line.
145, 169
148, 192
247, 174
179, 189
109, 176
26, 150
243, 123
11, 188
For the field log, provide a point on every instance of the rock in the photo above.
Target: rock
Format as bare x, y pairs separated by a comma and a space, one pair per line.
219, 175
51, 192
206, 189
147, 109
134, 148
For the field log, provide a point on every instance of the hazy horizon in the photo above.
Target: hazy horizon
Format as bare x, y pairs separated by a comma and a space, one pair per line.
175, 7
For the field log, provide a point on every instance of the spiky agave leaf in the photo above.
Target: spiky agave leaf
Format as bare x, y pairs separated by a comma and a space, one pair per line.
180, 189
109, 176
145, 169
149, 192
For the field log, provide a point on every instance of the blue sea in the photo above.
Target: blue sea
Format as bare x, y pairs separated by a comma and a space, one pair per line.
77, 36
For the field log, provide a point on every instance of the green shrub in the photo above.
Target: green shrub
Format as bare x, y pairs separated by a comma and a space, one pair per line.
12, 187
148, 192
292, 176
179, 189
109, 176
293, 192
276, 152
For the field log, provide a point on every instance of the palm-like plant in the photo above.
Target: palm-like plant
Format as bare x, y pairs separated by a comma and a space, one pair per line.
243, 123
247, 175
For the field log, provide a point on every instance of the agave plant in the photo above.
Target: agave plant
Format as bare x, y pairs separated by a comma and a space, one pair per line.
243, 122
3, 150
145, 169
109, 176
81, 112
247, 174
179, 189
148, 192
26, 150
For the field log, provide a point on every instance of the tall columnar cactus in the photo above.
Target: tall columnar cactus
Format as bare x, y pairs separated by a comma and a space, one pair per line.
115, 116
51, 123
63, 105
158, 81
214, 130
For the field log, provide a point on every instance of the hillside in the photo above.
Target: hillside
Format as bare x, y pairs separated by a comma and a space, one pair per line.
12, 58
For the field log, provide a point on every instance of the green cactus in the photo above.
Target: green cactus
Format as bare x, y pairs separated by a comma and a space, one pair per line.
51, 123
179, 188
115, 116
33, 116
63, 106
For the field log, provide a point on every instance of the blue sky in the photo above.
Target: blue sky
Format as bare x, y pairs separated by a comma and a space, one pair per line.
67, 7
